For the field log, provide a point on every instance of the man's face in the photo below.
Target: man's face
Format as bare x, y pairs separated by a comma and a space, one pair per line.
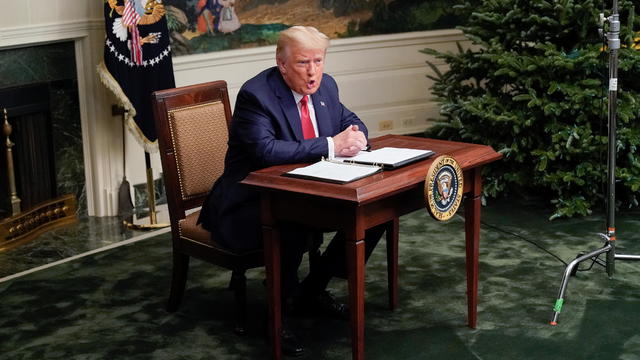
302, 69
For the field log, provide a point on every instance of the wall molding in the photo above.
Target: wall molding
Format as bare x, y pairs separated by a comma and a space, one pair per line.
266, 53
30, 35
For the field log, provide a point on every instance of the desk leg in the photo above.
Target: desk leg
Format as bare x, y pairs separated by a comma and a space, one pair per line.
272, 269
355, 265
392, 261
472, 237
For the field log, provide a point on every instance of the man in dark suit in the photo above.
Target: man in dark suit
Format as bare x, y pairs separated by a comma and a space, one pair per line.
290, 113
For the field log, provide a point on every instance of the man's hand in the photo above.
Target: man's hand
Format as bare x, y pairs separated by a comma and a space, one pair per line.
349, 142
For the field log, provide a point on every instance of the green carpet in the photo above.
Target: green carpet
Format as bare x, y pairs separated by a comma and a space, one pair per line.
111, 305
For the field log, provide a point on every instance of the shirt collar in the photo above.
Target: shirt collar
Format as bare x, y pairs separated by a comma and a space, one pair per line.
297, 97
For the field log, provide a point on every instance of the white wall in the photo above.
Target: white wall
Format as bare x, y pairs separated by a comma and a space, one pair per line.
381, 78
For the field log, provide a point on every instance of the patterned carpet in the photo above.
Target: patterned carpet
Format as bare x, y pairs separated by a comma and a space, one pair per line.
111, 305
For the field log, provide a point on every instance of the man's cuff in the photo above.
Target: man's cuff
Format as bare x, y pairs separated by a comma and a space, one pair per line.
331, 153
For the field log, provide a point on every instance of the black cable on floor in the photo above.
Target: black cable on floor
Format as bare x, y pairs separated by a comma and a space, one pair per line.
525, 239
593, 260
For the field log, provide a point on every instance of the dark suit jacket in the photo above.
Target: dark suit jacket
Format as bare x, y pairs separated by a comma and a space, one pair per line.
266, 131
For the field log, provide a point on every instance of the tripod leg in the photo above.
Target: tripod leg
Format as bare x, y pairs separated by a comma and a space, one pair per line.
565, 280
627, 257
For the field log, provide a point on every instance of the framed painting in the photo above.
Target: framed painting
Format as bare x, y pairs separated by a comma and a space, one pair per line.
199, 26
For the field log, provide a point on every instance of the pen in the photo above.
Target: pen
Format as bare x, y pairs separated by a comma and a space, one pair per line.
367, 148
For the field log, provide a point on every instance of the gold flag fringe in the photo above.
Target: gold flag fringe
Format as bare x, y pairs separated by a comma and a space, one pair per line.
110, 82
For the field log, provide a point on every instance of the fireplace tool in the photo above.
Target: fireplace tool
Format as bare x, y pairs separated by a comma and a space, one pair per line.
125, 206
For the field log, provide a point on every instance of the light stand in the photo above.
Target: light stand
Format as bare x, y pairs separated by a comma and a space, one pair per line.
609, 248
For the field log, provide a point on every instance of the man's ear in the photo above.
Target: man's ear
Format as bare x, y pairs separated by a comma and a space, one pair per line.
281, 67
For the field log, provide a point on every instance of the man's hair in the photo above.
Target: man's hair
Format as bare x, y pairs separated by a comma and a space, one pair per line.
305, 36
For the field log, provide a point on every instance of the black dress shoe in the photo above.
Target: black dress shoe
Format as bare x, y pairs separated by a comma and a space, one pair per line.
290, 344
321, 304
327, 304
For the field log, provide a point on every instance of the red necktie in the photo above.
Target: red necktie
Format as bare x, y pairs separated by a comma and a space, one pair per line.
305, 118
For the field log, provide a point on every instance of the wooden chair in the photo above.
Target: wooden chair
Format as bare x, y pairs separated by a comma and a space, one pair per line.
192, 124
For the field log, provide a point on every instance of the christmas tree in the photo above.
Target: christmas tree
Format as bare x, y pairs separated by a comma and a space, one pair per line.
533, 84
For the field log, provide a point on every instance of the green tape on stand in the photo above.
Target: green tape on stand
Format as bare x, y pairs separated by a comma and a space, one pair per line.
558, 306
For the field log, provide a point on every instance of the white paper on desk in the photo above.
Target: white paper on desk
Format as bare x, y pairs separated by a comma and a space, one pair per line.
386, 156
334, 171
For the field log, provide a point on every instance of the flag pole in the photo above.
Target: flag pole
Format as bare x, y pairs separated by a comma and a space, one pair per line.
151, 201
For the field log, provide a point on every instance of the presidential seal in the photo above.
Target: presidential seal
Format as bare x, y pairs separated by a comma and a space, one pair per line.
443, 188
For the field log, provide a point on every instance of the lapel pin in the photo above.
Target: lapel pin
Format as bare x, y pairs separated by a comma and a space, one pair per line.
322, 103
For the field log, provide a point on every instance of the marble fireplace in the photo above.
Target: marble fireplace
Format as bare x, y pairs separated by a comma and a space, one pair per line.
39, 90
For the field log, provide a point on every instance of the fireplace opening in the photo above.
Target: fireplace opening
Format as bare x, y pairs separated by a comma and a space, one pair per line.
39, 90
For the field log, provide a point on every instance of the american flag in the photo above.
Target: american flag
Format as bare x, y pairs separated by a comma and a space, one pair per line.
131, 73
130, 19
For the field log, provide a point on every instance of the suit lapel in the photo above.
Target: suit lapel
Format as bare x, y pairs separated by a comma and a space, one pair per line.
322, 115
288, 105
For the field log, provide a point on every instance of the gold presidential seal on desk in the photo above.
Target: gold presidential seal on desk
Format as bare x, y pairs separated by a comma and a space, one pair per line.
443, 188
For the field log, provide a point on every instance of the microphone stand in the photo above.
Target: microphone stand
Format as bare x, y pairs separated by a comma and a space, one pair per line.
609, 248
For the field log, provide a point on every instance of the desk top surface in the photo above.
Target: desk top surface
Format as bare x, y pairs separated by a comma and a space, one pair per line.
381, 184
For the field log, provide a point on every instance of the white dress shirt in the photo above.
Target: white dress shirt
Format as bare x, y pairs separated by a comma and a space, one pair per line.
312, 113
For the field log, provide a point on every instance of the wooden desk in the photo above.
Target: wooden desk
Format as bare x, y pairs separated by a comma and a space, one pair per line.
357, 206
